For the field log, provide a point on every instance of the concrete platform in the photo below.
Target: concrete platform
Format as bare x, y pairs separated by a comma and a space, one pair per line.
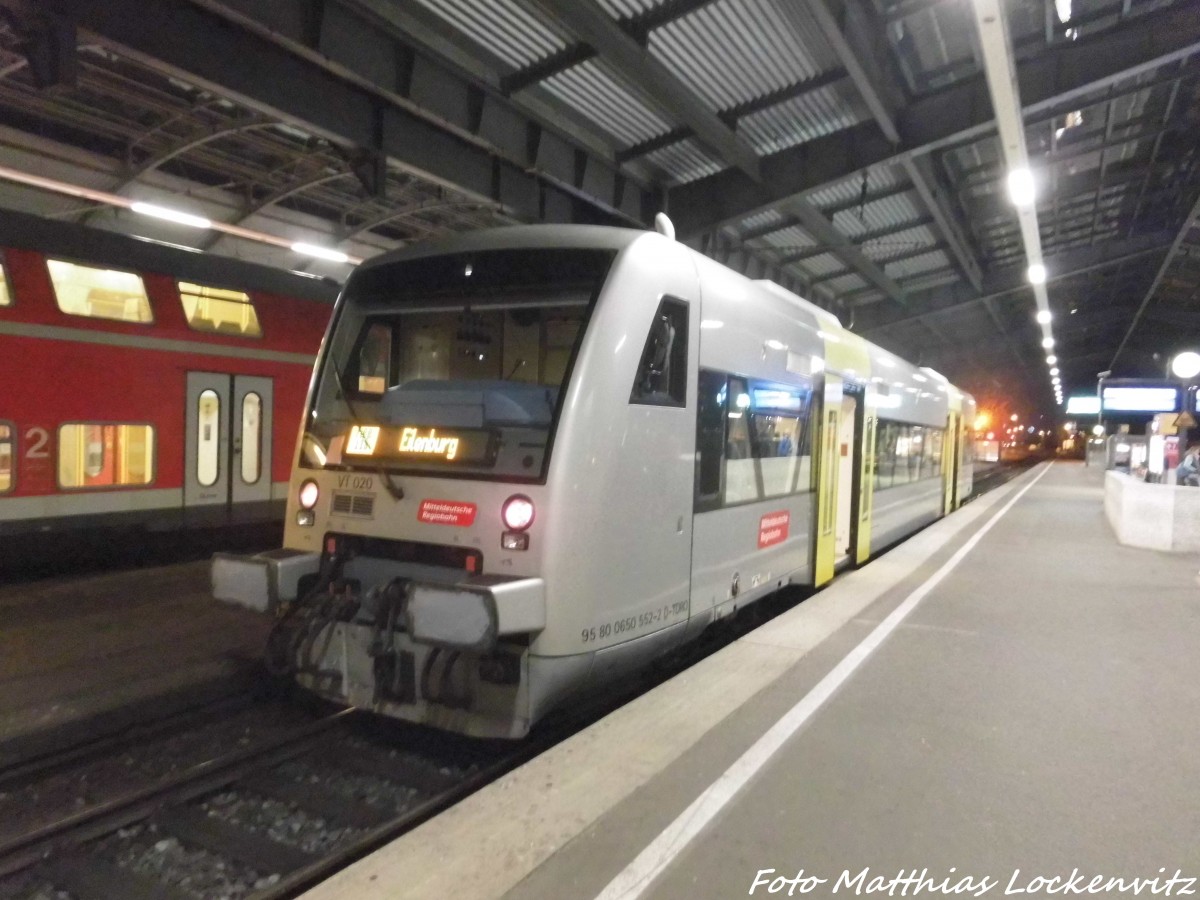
1009, 696
85, 657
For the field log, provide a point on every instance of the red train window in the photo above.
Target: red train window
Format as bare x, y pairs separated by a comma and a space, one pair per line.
7, 455
100, 293
98, 455
218, 310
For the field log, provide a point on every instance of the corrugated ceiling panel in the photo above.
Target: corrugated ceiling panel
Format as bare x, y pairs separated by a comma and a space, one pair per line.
801, 119
626, 9
601, 97
927, 262
846, 283
735, 50
885, 248
685, 161
517, 34
824, 264
891, 212
880, 178
761, 220
790, 240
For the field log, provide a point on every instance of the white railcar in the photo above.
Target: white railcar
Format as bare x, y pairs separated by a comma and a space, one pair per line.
536, 458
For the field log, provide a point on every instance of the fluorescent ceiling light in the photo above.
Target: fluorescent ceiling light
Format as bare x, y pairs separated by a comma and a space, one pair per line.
711, 324
320, 252
171, 215
1044, 316
1037, 275
1021, 189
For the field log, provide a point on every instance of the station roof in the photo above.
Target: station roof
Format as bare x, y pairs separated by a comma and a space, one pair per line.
849, 149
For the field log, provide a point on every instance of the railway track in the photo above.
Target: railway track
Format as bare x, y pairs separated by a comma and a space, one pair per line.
263, 821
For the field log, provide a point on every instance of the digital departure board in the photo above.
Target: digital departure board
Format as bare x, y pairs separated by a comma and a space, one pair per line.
1139, 398
410, 443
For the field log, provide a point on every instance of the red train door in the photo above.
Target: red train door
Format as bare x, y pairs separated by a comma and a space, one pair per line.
227, 450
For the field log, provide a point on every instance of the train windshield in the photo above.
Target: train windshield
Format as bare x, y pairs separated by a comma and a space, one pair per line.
453, 365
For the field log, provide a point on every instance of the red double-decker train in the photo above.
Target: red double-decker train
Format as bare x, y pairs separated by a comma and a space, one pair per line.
145, 385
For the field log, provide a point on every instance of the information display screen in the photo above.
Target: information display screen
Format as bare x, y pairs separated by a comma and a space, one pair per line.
410, 443
1150, 399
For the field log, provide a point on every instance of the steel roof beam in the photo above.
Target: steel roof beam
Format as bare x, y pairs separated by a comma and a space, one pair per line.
1011, 279
350, 90
858, 44
1049, 82
938, 201
821, 229
787, 222
651, 78
271, 199
638, 27
1192, 220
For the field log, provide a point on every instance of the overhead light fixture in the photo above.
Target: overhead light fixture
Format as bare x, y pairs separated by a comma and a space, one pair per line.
1047, 342
1037, 275
1054, 371
320, 252
1021, 189
1186, 365
1044, 317
119, 202
1052, 359
170, 215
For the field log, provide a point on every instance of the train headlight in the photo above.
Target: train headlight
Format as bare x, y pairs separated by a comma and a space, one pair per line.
517, 512
309, 494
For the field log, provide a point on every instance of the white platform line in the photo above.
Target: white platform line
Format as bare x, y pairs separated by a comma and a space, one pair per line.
633, 881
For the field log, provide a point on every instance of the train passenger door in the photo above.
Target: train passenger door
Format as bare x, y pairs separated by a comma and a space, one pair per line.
951, 454
227, 449
837, 501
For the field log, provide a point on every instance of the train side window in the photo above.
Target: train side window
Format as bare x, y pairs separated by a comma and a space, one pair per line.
208, 438
662, 374
5, 296
7, 455
219, 310
251, 438
901, 450
99, 455
933, 453
885, 454
777, 417
99, 293
741, 469
710, 439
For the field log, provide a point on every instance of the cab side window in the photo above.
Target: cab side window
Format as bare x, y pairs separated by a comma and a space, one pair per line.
662, 374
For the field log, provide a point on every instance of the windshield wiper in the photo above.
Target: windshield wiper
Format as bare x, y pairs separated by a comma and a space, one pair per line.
395, 491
